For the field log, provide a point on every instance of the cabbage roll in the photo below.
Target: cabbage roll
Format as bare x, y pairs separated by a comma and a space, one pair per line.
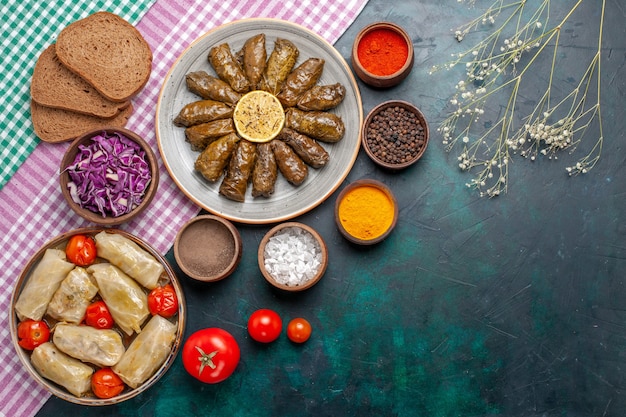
71, 300
239, 171
289, 163
58, 367
202, 111
127, 301
279, 65
227, 68
200, 136
130, 258
102, 347
265, 171
211, 88
253, 57
212, 161
322, 97
301, 79
323, 126
41, 285
311, 152
147, 352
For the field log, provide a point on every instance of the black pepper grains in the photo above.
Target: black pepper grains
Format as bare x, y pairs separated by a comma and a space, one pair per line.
396, 135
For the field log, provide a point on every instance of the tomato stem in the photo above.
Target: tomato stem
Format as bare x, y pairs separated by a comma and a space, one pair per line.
205, 360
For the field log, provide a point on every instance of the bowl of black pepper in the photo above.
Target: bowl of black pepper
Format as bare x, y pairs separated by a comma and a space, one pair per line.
395, 134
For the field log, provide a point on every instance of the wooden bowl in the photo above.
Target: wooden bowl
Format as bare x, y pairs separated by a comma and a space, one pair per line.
208, 248
94, 216
314, 246
168, 276
373, 226
382, 79
401, 150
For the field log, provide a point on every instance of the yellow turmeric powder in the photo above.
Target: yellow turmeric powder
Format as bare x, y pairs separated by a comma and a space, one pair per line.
366, 212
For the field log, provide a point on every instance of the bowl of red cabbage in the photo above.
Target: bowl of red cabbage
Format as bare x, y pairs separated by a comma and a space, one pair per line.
108, 176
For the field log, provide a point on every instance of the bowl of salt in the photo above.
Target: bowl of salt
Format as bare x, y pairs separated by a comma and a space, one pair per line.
292, 256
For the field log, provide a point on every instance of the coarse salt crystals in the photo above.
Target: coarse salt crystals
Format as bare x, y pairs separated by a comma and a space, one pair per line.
292, 256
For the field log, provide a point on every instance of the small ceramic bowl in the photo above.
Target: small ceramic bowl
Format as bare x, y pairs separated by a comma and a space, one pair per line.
93, 215
280, 251
366, 211
208, 248
31, 271
406, 143
366, 43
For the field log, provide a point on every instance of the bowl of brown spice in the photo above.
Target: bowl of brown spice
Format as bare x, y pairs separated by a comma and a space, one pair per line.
395, 134
208, 248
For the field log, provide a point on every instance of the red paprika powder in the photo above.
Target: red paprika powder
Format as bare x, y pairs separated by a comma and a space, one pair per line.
382, 52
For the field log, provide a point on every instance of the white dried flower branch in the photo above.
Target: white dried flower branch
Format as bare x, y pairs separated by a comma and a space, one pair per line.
495, 67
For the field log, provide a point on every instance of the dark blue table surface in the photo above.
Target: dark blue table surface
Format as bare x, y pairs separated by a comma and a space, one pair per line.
512, 306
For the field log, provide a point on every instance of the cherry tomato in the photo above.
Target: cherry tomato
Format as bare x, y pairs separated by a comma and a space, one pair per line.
265, 325
98, 316
32, 333
299, 330
106, 384
163, 301
81, 250
211, 355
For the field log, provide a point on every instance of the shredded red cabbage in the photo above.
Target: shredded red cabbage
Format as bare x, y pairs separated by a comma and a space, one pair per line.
109, 176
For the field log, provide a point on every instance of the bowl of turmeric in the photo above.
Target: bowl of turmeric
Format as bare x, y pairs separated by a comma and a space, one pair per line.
382, 54
366, 211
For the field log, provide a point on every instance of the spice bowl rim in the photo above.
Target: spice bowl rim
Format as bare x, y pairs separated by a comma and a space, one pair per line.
377, 109
97, 218
382, 81
261, 256
234, 262
372, 183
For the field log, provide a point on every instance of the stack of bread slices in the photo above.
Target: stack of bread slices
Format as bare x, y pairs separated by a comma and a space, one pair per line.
86, 79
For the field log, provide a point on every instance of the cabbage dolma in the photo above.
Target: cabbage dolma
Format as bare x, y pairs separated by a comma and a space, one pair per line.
127, 301
58, 367
212, 161
130, 258
311, 152
227, 68
41, 285
209, 87
202, 111
322, 97
323, 126
239, 171
301, 79
289, 163
102, 347
253, 57
200, 136
147, 352
74, 295
279, 65
265, 171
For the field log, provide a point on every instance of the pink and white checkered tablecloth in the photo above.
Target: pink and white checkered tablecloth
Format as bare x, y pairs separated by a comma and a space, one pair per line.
32, 209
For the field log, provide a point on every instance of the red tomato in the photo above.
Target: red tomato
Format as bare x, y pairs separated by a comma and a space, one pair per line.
299, 330
211, 355
163, 301
98, 316
265, 325
32, 333
106, 384
81, 250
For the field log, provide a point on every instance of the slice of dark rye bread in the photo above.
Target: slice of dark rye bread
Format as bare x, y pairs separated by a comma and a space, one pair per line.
107, 52
57, 125
53, 85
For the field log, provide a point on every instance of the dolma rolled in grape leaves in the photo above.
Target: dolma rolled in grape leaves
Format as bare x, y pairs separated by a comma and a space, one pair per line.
311, 152
322, 97
209, 87
323, 126
279, 65
265, 171
227, 68
70, 301
52, 364
102, 347
253, 57
289, 163
213, 160
301, 79
202, 111
239, 171
200, 136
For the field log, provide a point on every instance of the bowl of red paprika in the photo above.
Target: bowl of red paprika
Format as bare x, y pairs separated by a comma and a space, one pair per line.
382, 54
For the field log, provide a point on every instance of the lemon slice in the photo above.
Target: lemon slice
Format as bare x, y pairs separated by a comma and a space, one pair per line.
259, 116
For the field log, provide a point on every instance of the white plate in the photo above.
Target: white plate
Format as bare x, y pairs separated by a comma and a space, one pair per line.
288, 201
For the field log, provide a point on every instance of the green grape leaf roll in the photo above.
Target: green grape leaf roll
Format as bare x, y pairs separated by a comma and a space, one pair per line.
239, 171
301, 79
322, 97
323, 126
212, 161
